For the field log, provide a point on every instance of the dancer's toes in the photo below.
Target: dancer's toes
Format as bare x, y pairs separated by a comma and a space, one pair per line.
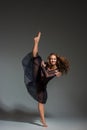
44, 123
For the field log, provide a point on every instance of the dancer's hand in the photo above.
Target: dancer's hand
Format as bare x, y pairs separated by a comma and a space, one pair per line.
43, 64
58, 74
37, 38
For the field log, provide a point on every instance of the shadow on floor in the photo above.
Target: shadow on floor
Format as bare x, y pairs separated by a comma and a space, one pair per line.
20, 115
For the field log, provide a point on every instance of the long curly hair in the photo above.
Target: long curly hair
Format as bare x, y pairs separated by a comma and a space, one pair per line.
62, 63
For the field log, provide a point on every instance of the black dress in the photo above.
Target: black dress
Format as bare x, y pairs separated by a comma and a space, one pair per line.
36, 77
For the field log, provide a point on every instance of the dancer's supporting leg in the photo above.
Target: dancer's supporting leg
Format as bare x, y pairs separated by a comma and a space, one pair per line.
41, 111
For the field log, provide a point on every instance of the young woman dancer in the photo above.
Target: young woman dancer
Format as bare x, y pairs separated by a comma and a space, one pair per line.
38, 73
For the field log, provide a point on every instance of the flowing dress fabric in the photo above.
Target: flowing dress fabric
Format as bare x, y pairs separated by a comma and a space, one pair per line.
36, 77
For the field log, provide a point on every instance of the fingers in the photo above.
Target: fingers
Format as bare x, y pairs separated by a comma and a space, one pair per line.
58, 74
43, 64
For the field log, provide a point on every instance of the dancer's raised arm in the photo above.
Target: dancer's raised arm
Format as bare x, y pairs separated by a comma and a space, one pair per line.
36, 42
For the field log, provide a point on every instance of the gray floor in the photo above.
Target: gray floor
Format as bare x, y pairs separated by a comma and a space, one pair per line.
53, 124
29, 120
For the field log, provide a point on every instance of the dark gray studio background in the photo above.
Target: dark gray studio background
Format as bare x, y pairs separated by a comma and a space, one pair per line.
64, 31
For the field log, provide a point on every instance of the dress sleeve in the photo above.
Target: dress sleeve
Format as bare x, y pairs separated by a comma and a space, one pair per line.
48, 73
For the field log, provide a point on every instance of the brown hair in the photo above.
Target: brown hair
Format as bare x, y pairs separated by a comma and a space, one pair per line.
62, 63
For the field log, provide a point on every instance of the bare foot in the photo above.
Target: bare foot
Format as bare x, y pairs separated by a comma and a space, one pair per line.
37, 38
43, 122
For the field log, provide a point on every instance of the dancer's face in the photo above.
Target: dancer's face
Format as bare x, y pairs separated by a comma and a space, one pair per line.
53, 60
